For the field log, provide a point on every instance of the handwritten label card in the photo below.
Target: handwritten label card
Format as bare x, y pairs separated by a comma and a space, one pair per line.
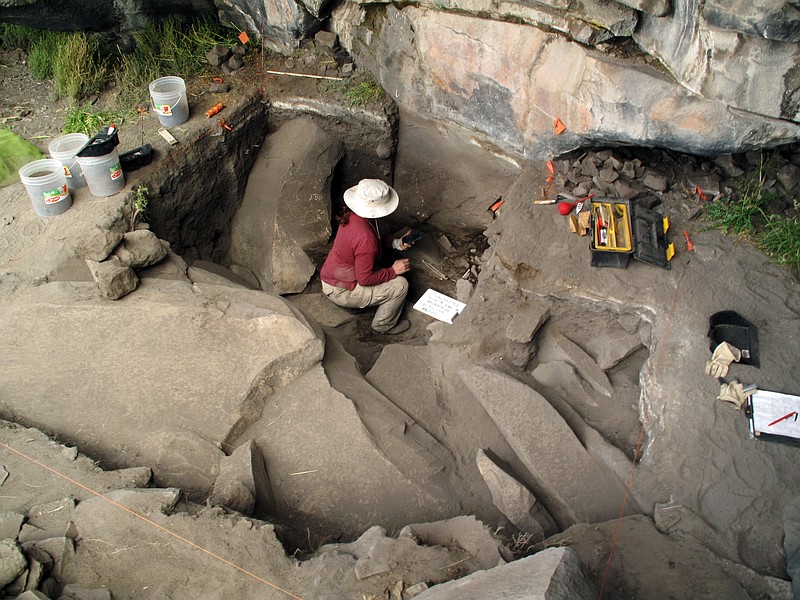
439, 306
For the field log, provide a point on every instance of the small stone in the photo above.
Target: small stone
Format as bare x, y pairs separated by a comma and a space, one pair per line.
589, 169
218, 55
218, 88
347, 69
608, 175
789, 176
655, 182
415, 590
384, 150
289, 63
234, 63
326, 38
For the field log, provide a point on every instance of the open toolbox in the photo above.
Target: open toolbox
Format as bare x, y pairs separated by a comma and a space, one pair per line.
621, 231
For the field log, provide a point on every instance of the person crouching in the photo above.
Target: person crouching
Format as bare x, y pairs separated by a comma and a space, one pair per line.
351, 276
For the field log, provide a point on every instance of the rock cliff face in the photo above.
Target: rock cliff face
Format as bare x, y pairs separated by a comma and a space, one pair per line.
700, 77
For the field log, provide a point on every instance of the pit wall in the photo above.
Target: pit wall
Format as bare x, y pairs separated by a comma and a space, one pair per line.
197, 188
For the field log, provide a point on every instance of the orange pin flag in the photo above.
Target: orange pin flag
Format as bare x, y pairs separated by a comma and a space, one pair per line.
552, 169
559, 127
243, 37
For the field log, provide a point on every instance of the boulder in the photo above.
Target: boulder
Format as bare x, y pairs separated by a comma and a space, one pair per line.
243, 483
577, 488
306, 471
529, 316
53, 519
228, 350
98, 244
171, 266
286, 210
203, 271
139, 249
553, 574
33, 595
12, 561
614, 346
466, 532
558, 347
183, 459
60, 550
513, 499
114, 280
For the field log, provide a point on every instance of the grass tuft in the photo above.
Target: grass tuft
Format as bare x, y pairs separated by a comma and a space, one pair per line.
781, 240
363, 93
165, 49
79, 67
744, 214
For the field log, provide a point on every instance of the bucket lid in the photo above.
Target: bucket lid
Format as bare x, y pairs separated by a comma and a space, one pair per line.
100, 145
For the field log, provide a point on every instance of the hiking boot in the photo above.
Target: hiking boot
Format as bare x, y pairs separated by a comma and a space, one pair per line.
401, 326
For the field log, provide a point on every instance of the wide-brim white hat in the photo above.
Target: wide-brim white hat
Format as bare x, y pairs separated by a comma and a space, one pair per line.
371, 199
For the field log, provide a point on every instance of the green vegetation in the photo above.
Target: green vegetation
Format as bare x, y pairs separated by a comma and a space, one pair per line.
781, 240
363, 93
86, 120
80, 66
72, 61
138, 199
745, 215
355, 92
165, 49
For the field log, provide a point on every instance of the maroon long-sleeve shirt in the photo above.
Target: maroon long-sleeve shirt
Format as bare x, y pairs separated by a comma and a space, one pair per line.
355, 252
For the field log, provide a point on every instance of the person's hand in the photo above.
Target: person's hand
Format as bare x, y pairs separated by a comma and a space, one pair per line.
398, 244
400, 266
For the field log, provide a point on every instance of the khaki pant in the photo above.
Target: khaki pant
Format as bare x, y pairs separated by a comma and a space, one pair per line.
389, 297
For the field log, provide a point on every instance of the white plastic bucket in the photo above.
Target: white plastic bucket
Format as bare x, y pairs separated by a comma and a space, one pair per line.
63, 149
169, 101
103, 174
47, 187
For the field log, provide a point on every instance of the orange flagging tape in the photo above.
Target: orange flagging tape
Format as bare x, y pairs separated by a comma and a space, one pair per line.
146, 520
243, 37
559, 127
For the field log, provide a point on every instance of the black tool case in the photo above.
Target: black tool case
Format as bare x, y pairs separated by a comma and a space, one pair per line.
621, 230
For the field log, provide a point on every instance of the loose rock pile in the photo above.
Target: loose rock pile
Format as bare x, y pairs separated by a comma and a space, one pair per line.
631, 174
113, 257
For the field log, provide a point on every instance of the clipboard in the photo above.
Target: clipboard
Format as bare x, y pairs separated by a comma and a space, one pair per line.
774, 415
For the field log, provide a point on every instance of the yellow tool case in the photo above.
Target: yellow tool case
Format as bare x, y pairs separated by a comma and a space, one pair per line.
621, 230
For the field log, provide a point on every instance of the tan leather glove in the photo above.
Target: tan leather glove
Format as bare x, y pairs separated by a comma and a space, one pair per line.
735, 393
723, 356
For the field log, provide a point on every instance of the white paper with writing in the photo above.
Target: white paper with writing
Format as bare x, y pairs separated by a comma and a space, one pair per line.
439, 306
